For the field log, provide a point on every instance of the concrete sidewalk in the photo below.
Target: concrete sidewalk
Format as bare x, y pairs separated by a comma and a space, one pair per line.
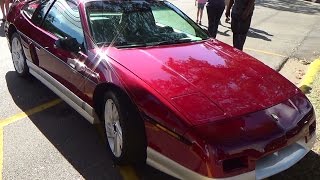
280, 29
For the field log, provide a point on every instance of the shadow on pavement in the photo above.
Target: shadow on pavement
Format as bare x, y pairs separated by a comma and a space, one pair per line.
225, 33
307, 168
73, 136
259, 34
253, 33
2, 29
296, 6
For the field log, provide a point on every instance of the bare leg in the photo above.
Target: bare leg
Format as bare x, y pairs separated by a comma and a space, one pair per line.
201, 12
2, 10
7, 6
198, 14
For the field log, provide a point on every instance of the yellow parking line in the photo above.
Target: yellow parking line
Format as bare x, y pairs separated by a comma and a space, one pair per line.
306, 82
265, 52
128, 173
19, 116
29, 112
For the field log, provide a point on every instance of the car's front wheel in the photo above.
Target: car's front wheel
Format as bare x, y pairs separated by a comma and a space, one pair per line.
18, 57
124, 130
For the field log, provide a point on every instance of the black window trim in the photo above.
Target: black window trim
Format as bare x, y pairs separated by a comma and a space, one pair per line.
85, 50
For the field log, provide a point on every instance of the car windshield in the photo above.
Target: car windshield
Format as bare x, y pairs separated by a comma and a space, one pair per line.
140, 23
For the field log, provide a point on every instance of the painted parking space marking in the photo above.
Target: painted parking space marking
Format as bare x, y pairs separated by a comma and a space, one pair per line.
265, 52
29, 112
14, 118
127, 172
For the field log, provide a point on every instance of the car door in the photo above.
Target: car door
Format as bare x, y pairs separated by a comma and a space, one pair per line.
62, 21
28, 25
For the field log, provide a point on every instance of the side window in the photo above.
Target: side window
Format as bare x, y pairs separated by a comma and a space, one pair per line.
63, 20
30, 8
40, 11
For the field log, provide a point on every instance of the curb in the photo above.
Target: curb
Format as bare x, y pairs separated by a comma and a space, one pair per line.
308, 78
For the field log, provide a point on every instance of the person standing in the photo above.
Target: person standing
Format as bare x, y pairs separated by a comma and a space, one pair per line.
242, 11
4, 8
215, 10
201, 4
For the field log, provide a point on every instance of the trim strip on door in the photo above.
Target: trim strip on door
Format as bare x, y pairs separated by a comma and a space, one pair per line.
64, 93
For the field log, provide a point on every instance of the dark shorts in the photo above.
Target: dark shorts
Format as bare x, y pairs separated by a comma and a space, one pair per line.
201, 6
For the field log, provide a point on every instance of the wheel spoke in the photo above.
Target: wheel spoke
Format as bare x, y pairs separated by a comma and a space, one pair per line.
20, 63
113, 109
109, 130
110, 111
119, 144
115, 145
115, 114
119, 130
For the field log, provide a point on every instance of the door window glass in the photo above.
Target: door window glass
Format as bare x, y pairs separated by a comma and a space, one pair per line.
63, 20
30, 8
40, 11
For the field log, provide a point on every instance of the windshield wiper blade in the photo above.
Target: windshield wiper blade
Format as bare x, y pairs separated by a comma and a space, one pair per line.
131, 45
172, 42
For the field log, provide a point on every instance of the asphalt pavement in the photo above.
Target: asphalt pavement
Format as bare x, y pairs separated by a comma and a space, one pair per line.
57, 143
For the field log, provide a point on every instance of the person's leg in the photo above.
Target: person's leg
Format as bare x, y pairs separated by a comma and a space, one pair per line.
6, 2
2, 9
198, 9
201, 12
210, 13
239, 40
235, 27
217, 17
240, 29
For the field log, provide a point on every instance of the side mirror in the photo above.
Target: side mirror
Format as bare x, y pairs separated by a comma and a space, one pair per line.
68, 44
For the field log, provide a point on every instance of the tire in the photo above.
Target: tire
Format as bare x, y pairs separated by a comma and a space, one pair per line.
18, 56
124, 130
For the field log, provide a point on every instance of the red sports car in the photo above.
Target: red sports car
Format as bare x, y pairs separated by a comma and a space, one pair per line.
166, 94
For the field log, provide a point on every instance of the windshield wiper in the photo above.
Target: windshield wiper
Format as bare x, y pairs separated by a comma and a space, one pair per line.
130, 45
177, 41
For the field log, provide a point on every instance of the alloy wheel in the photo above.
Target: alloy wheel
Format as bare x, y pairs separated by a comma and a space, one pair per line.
113, 127
17, 55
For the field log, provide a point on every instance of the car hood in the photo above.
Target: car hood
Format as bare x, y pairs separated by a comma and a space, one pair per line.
206, 80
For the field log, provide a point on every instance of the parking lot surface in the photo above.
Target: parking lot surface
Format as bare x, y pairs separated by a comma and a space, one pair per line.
41, 137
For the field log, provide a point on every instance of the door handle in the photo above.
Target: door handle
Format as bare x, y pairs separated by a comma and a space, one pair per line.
77, 65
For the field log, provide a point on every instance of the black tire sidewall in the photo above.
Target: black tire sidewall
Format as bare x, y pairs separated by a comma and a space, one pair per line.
133, 136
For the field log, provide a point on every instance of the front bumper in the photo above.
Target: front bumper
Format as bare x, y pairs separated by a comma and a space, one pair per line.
284, 158
265, 167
